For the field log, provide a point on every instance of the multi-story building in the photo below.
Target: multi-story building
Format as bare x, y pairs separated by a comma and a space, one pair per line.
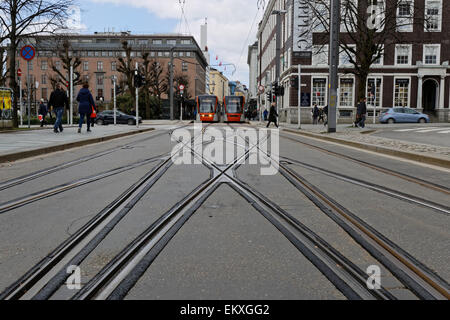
99, 53
414, 73
218, 85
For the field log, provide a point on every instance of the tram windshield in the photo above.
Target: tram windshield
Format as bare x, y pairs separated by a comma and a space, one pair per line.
234, 104
207, 105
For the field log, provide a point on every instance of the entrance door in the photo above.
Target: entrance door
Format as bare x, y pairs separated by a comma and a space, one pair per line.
430, 95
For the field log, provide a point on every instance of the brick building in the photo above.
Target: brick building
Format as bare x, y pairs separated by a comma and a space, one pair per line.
414, 73
99, 53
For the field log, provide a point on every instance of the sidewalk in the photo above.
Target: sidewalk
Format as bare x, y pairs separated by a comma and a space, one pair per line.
28, 143
363, 139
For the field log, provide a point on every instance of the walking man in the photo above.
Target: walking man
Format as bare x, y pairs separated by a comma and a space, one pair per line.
325, 114
273, 115
58, 100
315, 113
361, 111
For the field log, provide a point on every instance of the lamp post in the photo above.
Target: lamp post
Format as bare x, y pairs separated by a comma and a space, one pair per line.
278, 13
171, 83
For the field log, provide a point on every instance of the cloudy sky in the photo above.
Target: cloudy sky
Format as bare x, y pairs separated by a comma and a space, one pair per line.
232, 24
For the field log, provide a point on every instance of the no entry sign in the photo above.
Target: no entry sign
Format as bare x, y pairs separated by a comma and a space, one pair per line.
28, 52
19, 72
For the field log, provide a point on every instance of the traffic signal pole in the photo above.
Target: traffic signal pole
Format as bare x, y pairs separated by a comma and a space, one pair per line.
171, 84
137, 98
299, 96
334, 63
114, 93
71, 95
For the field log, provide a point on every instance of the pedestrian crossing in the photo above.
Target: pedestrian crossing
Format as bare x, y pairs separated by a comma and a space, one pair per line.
439, 130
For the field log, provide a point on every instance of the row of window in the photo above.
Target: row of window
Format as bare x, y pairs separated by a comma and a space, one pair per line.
402, 89
112, 54
403, 55
134, 41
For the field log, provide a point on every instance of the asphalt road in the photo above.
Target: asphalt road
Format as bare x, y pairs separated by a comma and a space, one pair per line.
438, 135
231, 245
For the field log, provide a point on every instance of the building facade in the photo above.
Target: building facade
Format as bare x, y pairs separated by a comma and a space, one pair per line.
218, 85
99, 53
414, 73
252, 61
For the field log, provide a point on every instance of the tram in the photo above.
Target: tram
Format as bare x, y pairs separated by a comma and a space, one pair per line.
234, 109
208, 108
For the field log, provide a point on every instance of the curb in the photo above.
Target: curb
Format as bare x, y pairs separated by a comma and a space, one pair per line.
441, 162
32, 153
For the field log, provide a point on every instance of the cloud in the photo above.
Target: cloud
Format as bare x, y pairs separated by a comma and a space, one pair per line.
229, 23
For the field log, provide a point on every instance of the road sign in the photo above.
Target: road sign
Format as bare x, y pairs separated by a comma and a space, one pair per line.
28, 52
261, 89
19, 72
181, 87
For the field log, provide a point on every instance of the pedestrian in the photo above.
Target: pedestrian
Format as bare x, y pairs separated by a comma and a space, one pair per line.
361, 111
325, 113
58, 100
273, 115
315, 113
85, 105
42, 112
321, 115
265, 114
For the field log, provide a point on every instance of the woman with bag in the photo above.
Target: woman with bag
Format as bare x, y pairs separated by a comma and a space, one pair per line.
85, 103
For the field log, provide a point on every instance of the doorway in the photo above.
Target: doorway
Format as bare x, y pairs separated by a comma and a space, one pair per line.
430, 95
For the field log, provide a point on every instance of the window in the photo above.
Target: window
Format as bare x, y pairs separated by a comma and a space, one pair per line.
85, 66
113, 66
85, 78
104, 53
160, 54
99, 94
403, 54
90, 53
184, 66
97, 53
405, 16
188, 54
100, 66
181, 54
44, 93
172, 42
185, 41
44, 65
157, 41
433, 18
100, 80
166, 54
44, 79
401, 93
344, 57
319, 91
320, 55
431, 54
143, 42
374, 92
346, 93
380, 60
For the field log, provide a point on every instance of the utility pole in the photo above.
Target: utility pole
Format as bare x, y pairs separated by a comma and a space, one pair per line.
28, 93
334, 63
171, 83
20, 101
137, 97
71, 94
114, 94
278, 49
299, 96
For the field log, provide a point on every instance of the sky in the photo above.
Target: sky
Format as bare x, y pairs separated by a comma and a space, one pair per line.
232, 24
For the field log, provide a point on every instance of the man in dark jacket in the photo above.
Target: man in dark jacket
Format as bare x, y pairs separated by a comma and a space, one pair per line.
86, 103
42, 111
58, 100
273, 115
361, 111
315, 113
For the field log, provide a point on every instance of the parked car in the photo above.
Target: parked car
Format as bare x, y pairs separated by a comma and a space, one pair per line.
107, 117
403, 115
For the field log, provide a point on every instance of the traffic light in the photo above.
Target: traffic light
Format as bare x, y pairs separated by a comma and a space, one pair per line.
139, 80
269, 96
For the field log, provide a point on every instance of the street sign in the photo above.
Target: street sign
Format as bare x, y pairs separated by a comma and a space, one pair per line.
181, 87
261, 89
19, 72
28, 52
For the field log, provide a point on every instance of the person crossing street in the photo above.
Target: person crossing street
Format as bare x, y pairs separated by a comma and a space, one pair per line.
85, 105
273, 115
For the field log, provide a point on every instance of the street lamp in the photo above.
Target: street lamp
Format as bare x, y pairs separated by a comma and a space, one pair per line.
278, 47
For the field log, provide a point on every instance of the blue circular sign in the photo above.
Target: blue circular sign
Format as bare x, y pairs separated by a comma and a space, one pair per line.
28, 52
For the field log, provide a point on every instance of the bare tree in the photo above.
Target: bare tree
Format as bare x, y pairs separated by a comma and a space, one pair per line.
67, 60
368, 28
23, 19
126, 67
